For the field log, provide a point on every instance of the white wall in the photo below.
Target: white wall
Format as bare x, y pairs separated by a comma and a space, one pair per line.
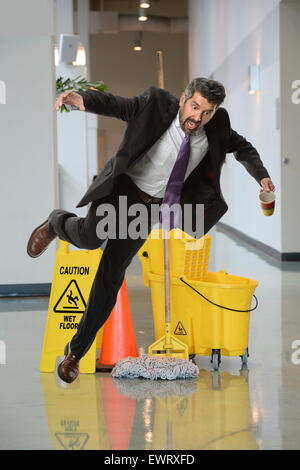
76, 131
225, 38
290, 123
28, 177
77, 149
34, 177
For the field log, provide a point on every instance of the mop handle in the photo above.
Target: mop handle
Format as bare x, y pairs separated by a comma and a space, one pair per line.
167, 278
160, 72
161, 84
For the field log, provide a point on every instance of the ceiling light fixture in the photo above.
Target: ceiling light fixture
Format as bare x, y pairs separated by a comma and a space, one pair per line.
138, 41
142, 15
145, 3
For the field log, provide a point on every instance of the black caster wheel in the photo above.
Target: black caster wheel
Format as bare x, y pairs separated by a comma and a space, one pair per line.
244, 358
216, 359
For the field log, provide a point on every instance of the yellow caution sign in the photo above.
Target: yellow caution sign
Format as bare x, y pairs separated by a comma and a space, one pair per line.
73, 276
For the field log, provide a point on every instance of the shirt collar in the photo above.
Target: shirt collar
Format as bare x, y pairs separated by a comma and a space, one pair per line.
177, 122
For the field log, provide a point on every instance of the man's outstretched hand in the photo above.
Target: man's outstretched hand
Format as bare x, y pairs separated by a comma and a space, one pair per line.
267, 185
70, 98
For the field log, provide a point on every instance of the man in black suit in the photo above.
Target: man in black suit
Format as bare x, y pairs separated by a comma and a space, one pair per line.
156, 125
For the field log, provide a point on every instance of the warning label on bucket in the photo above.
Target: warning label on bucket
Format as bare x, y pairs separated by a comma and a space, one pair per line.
180, 330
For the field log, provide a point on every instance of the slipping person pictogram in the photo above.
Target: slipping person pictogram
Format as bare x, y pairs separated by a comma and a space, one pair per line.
72, 299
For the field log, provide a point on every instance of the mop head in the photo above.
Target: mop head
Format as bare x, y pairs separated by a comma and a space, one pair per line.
153, 368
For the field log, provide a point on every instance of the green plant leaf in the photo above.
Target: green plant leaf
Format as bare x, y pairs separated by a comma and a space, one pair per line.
77, 84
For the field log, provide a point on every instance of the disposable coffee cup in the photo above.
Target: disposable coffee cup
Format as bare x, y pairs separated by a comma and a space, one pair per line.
267, 202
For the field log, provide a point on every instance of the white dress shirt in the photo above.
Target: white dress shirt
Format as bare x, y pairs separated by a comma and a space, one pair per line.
152, 172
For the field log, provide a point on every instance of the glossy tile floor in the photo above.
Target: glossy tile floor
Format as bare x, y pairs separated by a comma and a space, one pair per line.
256, 407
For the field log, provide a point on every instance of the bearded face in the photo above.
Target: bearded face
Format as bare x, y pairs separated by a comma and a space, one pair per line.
194, 113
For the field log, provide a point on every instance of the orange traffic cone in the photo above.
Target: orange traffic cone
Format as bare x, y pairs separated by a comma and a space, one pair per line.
118, 340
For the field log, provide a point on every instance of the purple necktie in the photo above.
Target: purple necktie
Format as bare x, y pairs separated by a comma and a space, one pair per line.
174, 185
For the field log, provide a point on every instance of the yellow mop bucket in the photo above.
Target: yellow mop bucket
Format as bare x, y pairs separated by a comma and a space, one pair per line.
210, 312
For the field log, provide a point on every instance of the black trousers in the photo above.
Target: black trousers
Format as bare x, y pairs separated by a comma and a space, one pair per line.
117, 255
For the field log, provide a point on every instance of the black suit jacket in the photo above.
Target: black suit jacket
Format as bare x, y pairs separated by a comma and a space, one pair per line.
148, 116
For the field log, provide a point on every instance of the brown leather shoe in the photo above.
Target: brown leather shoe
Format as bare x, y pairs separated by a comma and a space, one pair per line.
39, 240
68, 369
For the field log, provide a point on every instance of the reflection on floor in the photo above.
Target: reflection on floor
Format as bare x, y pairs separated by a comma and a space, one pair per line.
214, 412
256, 407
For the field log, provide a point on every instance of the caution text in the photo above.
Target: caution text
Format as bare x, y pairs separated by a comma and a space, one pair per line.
73, 270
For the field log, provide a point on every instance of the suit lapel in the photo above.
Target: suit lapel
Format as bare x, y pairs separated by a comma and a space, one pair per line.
166, 120
214, 150
158, 126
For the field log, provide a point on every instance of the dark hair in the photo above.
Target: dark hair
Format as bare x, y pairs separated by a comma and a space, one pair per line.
212, 90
